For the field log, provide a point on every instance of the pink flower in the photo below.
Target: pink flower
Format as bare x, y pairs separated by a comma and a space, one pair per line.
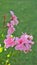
23, 43
13, 15
20, 44
9, 42
10, 30
14, 20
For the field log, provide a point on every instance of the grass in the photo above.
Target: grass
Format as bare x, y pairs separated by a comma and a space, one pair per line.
26, 11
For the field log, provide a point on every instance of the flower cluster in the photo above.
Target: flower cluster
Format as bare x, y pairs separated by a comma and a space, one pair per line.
11, 24
22, 43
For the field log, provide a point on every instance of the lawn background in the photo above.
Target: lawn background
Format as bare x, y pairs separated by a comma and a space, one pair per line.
26, 11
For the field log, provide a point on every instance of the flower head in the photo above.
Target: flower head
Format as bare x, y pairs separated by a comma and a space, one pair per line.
9, 42
23, 43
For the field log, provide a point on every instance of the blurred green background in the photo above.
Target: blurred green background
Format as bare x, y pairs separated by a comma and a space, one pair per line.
26, 11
